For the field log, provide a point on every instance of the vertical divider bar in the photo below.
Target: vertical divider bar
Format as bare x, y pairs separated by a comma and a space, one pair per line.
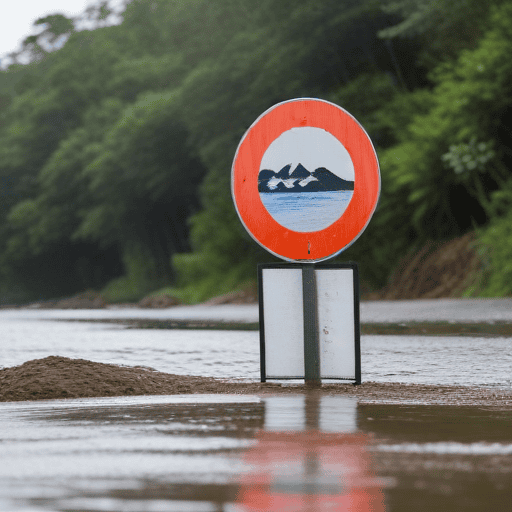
311, 335
263, 370
357, 325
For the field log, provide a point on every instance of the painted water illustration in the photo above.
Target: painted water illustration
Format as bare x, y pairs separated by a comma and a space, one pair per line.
295, 212
306, 179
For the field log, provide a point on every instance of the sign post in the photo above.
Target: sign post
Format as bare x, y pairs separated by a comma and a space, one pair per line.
305, 184
311, 338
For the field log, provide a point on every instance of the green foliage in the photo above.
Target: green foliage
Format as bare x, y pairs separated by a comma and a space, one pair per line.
495, 251
116, 142
143, 184
196, 285
465, 158
463, 130
445, 27
366, 97
141, 275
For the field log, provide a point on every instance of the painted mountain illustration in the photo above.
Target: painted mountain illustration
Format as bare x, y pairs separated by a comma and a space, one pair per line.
301, 180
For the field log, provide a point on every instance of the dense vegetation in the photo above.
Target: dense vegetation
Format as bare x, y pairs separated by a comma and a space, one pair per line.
116, 142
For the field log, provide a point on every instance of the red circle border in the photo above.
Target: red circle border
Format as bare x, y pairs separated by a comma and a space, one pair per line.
283, 242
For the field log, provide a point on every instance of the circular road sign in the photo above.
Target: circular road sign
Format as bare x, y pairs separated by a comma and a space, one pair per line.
305, 180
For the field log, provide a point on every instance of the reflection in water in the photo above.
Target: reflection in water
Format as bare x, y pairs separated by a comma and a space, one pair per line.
137, 454
309, 459
310, 412
246, 453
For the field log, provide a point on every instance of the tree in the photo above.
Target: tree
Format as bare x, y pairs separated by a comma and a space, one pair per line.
445, 27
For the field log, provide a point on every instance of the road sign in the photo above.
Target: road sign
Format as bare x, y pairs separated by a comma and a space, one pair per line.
305, 180
286, 349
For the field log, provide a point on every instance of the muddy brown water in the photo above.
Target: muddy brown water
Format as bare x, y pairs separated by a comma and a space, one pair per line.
395, 447
307, 451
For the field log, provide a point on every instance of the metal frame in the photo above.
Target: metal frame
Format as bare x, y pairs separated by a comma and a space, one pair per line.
312, 371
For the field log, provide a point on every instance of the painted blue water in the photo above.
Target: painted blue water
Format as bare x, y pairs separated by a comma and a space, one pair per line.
306, 211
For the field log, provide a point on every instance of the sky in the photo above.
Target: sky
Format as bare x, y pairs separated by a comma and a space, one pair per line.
17, 19
311, 147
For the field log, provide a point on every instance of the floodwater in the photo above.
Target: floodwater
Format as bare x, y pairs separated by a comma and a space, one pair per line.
249, 453
235, 354
246, 453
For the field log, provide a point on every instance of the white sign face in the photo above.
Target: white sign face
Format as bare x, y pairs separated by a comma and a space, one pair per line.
306, 179
336, 322
281, 312
284, 322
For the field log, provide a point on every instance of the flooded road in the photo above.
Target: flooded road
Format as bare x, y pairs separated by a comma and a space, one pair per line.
450, 360
239, 453
144, 453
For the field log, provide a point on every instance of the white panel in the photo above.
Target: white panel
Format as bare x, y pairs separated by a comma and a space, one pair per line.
284, 323
336, 323
285, 413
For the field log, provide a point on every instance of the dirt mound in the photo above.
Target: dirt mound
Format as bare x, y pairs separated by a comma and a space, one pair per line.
88, 299
248, 295
436, 271
159, 301
61, 377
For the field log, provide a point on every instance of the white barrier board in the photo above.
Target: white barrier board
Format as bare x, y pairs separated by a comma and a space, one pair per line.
282, 321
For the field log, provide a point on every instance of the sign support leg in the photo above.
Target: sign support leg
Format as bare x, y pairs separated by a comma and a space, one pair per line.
311, 337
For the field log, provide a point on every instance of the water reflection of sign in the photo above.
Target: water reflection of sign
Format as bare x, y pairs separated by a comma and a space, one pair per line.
310, 469
305, 180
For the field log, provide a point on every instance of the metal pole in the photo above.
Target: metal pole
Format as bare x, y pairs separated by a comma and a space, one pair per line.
357, 325
311, 337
